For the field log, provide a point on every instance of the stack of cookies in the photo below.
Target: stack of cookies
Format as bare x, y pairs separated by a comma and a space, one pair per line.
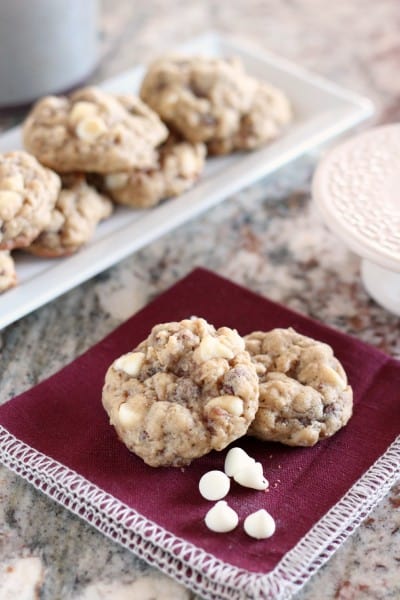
190, 388
91, 149
215, 102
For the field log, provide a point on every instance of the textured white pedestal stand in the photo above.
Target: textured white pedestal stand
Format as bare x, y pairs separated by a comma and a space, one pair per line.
357, 190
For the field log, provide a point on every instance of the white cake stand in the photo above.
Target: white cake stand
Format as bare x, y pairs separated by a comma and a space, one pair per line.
357, 190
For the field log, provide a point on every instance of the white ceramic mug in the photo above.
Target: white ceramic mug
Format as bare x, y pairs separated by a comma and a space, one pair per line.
46, 46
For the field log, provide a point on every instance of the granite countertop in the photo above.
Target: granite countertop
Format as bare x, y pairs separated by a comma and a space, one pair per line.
267, 237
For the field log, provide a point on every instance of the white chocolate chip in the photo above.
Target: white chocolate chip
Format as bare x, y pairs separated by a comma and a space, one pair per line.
236, 460
232, 340
211, 347
170, 97
56, 102
229, 120
115, 181
81, 110
90, 128
10, 203
221, 518
214, 485
130, 363
127, 415
259, 525
251, 476
56, 222
231, 404
15, 183
331, 377
188, 164
193, 119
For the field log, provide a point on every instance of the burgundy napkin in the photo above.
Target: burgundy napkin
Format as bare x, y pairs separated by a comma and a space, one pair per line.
57, 436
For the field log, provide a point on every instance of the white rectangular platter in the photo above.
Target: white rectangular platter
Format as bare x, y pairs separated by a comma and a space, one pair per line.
322, 110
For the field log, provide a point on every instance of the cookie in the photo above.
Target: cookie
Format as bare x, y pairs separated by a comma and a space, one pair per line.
78, 210
187, 389
28, 192
8, 277
179, 167
214, 101
92, 130
269, 113
304, 394
201, 98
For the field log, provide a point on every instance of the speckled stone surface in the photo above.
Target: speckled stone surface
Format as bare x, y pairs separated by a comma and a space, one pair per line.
267, 237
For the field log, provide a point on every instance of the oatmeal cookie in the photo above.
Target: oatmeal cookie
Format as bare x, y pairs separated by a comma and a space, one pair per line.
92, 130
269, 113
179, 166
28, 193
78, 210
304, 394
187, 389
214, 101
8, 277
202, 98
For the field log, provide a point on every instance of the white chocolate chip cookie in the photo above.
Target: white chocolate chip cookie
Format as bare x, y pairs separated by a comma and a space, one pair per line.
28, 193
8, 277
304, 394
200, 97
78, 210
212, 100
186, 390
92, 130
179, 166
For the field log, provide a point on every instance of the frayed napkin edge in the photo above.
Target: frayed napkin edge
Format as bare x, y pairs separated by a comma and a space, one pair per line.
183, 561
